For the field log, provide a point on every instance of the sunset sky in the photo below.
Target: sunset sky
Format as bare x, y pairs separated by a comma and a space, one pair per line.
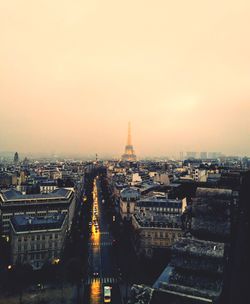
73, 73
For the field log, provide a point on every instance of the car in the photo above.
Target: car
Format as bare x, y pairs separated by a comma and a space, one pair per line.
107, 294
96, 272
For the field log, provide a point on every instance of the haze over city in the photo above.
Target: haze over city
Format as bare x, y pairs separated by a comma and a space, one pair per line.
73, 73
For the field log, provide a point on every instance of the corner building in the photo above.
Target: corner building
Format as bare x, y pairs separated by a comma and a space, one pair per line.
12, 203
37, 240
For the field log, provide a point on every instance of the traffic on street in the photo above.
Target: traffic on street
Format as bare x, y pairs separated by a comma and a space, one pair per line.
102, 282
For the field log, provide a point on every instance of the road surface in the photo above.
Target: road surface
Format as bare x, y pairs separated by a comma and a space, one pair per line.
102, 268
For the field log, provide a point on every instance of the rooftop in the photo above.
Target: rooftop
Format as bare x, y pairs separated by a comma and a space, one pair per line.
14, 195
159, 201
215, 193
197, 247
154, 220
24, 223
130, 192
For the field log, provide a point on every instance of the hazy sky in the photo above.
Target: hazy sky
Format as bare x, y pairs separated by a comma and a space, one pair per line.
73, 73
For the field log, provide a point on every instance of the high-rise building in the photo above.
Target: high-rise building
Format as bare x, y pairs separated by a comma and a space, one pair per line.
129, 154
214, 154
191, 154
16, 158
203, 155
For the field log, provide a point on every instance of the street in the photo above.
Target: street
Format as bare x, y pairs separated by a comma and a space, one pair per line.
102, 268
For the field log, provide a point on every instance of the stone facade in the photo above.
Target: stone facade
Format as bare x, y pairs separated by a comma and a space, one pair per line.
128, 198
37, 240
196, 271
154, 232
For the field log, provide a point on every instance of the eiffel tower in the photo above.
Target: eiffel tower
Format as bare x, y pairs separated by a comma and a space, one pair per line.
129, 154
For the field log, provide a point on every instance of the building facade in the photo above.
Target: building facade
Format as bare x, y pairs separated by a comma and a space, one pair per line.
128, 198
161, 205
47, 186
37, 240
153, 232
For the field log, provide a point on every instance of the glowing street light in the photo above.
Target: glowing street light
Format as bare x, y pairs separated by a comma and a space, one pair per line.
56, 261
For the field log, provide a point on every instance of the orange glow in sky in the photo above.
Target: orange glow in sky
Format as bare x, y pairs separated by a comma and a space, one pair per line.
74, 72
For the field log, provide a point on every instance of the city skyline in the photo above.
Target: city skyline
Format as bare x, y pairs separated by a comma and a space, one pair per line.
124, 151
74, 73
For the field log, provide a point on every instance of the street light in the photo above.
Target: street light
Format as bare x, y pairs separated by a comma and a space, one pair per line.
56, 261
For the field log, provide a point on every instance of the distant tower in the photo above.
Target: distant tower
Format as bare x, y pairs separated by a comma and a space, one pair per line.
25, 161
129, 154
16, 158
